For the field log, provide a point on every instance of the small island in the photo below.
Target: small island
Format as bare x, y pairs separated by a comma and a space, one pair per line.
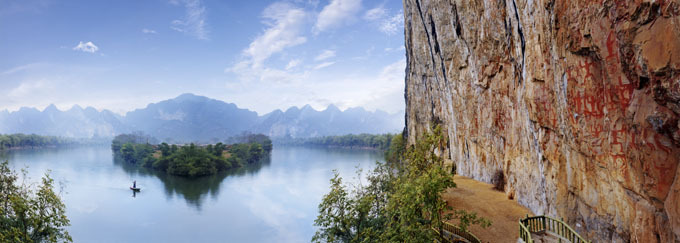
191, 160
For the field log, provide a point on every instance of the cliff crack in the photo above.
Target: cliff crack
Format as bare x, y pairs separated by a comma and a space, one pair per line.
429, 43
521, 36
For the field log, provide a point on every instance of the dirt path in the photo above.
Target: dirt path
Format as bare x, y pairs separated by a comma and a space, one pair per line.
480, 197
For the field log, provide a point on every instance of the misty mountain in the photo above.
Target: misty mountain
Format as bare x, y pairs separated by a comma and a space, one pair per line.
75, 122
190, 117
307, 122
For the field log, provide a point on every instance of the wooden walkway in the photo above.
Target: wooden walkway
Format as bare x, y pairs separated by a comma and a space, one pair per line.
544, 228
547, 237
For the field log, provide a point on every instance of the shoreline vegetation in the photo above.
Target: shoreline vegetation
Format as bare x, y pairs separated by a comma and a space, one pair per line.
29, 141
401, 200
31, 212
352, 141
20, 141
191, 160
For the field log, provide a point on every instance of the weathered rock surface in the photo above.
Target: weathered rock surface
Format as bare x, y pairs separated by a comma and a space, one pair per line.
577, 102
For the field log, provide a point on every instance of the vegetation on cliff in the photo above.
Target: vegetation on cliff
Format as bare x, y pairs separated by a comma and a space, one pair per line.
190, 160
29, 214
401, 202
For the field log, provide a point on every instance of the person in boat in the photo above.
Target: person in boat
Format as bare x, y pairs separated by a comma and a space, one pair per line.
134, 184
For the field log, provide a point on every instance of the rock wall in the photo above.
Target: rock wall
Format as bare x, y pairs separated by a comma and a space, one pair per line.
577, 102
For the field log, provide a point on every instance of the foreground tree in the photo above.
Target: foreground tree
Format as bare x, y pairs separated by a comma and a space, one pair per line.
401, 203
28, 214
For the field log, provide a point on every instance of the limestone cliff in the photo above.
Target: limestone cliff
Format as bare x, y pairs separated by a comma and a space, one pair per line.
576, 101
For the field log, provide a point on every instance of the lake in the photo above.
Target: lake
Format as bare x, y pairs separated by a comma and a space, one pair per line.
275, 201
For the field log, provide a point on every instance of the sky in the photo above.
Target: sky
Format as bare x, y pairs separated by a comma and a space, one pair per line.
260, 55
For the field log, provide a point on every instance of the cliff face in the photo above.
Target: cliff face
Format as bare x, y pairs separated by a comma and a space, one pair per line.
576, 102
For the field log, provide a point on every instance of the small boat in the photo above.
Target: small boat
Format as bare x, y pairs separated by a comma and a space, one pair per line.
135, 189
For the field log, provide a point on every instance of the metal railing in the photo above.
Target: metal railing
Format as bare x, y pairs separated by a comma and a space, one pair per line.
541, 224
455, 230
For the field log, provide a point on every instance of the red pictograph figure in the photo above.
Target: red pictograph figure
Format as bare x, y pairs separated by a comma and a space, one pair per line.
577, 102
666, 173
618, 138
619, 160
585, 66
624, 92
611, 42
595, 130
594, 106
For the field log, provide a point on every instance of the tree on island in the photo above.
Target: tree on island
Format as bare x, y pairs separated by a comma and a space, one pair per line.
191, 160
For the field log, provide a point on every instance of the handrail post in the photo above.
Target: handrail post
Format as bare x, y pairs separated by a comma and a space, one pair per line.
544, 229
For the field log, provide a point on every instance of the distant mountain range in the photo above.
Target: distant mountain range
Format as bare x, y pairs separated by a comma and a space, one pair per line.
190, 117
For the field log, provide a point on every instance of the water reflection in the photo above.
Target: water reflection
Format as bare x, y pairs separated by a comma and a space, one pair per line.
275, 201
193, 190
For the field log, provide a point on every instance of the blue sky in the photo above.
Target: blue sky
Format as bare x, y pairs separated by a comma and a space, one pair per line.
261, 55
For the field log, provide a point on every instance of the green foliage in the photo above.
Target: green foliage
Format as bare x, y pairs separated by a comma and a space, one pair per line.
134, 138
127, 152
20, 140
375, 141
189, 160
396, 150
165, 149
401, 203
28, 215
261, 139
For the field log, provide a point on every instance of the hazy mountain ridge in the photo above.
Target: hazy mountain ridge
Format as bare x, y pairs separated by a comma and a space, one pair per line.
190, 117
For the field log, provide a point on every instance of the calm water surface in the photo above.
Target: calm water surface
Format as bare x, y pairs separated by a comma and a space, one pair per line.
273, 202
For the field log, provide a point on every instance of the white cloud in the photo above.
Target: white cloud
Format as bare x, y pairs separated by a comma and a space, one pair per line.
325, 55
293, 63
285, 29
393, 24
375, 13
323, 65
336, 14
21, 68
27, 88
247, 72
194, 20
86, 47
149, 31
384, 91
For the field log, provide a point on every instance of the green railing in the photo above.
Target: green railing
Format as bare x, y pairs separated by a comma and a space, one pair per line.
541, 224
455, 230
524, 233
